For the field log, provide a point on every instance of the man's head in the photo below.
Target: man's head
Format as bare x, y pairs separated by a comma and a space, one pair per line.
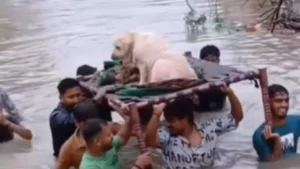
85, 110
85, 70
97, 134
279, 100
69, 92
210, 53
179, 114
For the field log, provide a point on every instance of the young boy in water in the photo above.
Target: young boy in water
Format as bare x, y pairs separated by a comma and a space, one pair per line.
214, 99
281, 139
210, 53
103, 147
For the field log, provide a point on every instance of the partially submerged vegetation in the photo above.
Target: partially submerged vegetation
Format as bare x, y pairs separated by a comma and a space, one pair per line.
196, 22
279, 14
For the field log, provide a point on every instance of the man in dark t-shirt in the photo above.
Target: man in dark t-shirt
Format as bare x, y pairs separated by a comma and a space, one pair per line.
61, 120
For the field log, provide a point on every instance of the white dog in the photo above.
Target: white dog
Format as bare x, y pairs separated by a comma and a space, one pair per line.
151, 54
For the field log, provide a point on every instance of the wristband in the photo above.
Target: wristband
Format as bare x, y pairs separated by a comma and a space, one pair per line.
137, 166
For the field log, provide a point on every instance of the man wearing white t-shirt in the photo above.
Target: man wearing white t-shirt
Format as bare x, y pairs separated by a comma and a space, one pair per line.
184, 143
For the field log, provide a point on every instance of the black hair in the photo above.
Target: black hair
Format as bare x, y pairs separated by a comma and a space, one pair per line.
180, 109
85, 70
276, 88
65, 84
91, 128
5, 133
86, 109
209, 50
188, 53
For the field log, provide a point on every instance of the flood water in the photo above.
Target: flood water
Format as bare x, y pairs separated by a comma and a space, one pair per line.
43, 41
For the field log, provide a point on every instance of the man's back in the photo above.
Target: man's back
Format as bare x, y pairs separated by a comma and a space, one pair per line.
71, 152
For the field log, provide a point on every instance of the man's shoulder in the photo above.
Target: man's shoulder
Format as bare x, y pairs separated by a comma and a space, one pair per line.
293, 118
58, 108
58, 111
209, 123
258, 130
90, 162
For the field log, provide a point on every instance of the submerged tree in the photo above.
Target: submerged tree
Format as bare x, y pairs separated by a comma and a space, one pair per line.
193, 20
281, 14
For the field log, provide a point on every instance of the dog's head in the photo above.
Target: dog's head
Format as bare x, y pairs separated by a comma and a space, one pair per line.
133, 46
123, 47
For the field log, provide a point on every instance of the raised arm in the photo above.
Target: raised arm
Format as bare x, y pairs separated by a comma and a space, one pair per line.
228, 122
20, 130
235, 104
125, 130
151, 136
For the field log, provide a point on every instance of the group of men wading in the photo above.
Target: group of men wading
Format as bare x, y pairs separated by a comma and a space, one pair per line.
85, 137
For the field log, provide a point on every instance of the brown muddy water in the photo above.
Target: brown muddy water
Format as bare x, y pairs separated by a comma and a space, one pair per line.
44, 41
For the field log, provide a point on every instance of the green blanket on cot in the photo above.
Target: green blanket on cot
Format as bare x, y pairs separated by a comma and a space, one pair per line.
203, 70
107, 77
111, 64
144, 92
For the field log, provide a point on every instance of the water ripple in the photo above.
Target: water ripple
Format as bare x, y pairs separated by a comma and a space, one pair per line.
43, 41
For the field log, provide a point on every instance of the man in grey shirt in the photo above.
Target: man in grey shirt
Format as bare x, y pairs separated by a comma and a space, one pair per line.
187, 144
8, 105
